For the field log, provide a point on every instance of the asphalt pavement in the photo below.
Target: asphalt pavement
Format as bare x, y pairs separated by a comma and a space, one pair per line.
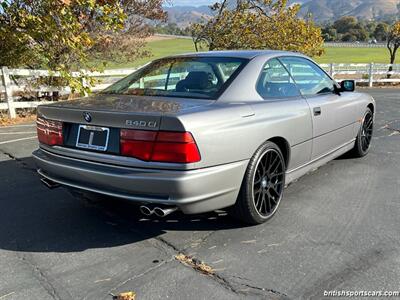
337, 229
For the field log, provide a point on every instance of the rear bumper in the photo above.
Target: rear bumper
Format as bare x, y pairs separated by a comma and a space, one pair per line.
193, 191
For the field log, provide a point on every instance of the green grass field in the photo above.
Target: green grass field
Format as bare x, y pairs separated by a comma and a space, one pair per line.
355, 55
158, 49
332, 55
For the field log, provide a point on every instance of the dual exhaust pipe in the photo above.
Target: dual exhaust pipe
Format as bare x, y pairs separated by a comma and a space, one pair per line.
158, 211
145, 210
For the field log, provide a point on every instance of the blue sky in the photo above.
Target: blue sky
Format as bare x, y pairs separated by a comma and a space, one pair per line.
192, 2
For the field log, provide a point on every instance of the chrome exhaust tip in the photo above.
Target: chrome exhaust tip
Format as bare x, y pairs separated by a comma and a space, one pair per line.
49, 183
145, 210
163, 212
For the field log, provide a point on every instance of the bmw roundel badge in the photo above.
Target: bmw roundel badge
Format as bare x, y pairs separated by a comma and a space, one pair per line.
87, 117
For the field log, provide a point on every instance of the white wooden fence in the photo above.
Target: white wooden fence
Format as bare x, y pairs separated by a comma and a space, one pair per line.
364, 73
367, 73
354, 45
11, 87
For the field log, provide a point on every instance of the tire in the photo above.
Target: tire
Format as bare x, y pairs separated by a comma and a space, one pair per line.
262, 187
364, 136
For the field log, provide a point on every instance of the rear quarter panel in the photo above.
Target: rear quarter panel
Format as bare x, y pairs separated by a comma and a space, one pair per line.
232, 132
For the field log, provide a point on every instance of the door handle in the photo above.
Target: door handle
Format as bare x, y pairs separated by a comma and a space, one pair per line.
317, 111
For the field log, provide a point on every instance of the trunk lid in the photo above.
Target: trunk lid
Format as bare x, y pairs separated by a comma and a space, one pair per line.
134, 104
123, 111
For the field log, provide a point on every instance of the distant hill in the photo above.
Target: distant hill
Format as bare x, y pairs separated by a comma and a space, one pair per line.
183, 16
329, 10
321, 10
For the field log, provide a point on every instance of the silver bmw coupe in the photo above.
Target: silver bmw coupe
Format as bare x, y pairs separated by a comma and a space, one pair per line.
204, 131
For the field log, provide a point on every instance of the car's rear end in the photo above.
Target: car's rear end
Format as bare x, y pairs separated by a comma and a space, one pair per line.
138, 146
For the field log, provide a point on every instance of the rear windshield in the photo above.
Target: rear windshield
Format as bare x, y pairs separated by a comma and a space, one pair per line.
192, 77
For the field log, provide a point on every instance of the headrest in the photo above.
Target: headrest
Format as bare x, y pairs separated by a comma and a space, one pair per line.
197, 80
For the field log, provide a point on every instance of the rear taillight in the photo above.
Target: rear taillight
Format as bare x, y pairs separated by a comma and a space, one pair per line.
49, 132
161, 146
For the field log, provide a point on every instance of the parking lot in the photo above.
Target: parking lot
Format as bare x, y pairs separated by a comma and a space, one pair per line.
337, 229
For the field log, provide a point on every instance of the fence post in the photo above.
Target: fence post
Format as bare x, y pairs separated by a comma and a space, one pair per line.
371, 75
85, 85
82, 74
332, 69
8, 91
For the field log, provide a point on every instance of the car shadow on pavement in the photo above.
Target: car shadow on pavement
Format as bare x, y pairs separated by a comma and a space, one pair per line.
346, 156
34, 218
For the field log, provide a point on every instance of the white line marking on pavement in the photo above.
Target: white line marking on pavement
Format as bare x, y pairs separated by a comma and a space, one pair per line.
17, 140
6, 295
22, 125
18, 132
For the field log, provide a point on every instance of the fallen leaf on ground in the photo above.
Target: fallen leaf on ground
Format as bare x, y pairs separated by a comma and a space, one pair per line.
5, 121
195, 264
125, 296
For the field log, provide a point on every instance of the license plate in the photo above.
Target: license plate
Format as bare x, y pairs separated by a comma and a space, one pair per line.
93, 137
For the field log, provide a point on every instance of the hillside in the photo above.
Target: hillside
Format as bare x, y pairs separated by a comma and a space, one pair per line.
321, 10
328, 10
183, 16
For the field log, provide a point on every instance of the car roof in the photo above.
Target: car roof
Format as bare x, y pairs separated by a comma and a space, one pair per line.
248, 54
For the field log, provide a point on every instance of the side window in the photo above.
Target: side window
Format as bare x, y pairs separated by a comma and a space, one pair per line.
275, 82
310, 78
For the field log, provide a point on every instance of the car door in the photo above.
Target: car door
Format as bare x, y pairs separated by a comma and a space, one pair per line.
286, 109
333, 123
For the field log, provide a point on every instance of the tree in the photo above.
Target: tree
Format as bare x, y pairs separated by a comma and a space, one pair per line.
258, 24
128, 44
349, 37
63, 35
344, 24
350, 29
329, 34
172, 28
381, 32
393, 44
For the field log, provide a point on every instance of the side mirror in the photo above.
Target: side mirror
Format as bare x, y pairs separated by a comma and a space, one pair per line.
348, 86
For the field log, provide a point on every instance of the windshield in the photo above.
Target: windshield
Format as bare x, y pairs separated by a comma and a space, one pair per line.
192, 77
